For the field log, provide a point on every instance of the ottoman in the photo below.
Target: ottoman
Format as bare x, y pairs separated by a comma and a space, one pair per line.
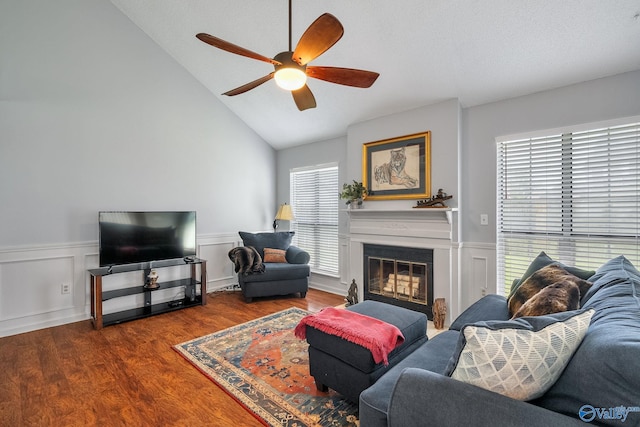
349, 368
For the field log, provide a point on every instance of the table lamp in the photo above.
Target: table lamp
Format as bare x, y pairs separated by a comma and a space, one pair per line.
284, 214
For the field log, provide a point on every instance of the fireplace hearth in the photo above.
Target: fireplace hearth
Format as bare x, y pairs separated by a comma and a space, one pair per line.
401, 276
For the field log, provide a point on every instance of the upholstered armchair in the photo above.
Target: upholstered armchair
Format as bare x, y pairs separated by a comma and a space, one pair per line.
286, 267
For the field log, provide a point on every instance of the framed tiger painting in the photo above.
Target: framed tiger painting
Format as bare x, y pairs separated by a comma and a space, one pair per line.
398, 168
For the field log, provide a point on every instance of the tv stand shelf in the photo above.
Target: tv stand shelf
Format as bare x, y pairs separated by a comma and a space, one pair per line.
149, 308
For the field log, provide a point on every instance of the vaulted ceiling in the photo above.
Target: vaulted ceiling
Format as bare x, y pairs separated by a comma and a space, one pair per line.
426, 51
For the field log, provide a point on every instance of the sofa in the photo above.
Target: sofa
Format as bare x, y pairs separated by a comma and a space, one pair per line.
598, 383
286, 267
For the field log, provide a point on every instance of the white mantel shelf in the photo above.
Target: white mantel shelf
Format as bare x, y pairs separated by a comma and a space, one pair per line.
426, 212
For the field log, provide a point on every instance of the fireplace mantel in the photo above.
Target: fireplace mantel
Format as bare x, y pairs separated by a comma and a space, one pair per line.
408, 213
433, 228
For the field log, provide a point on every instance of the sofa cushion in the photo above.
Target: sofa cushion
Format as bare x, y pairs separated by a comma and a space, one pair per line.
489, 307
542, 260
279, 240
540, 279
603, 372
274, 255
520, 358
433, 356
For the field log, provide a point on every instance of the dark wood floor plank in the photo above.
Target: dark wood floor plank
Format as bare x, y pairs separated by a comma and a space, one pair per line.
128, 374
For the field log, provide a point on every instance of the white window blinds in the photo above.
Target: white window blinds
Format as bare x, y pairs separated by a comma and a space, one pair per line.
573, 194
314, 199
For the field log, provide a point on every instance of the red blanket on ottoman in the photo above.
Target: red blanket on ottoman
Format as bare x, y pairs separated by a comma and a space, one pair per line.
373, 334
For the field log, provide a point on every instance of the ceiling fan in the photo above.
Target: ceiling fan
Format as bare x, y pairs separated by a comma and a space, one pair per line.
291, 69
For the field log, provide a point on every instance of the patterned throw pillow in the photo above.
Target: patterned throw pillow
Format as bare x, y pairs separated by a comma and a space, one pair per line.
274, 255
542, 278
520, 358
543, 260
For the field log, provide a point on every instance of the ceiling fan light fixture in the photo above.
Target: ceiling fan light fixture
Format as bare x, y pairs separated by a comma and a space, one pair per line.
290, 78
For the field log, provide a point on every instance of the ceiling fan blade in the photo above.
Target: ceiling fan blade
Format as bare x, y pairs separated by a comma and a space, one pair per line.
304, 98
230, 47
343, 76
323, 33
246, 87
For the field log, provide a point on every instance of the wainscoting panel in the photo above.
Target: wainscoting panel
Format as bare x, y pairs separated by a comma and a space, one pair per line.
215, 249
478, 270
31, 280
36, 285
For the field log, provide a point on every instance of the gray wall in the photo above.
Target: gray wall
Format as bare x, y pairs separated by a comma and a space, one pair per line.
596, 100
319, 153
464, 155
95, 116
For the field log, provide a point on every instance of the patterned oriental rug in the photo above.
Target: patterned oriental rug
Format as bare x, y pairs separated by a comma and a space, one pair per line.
266, 368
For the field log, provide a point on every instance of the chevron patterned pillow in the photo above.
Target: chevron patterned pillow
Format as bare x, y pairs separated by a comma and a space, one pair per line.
520, 358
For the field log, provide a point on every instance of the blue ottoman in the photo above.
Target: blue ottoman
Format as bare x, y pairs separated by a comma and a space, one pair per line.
349, 368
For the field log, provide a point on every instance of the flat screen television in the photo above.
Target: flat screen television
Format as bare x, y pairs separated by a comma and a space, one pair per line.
136, 237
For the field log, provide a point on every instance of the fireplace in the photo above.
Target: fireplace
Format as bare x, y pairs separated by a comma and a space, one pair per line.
401, 276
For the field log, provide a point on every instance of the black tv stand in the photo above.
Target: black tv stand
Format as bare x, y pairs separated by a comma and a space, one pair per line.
149, 308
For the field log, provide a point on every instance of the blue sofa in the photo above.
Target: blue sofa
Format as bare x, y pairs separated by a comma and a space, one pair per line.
279, 278
600, 385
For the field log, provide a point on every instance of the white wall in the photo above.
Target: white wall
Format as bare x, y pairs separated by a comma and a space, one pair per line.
95, 116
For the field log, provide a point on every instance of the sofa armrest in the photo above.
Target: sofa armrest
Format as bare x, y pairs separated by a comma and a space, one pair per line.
422, 396
295, 255
490, 307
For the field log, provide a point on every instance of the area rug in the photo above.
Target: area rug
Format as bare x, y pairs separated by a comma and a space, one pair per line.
266, 368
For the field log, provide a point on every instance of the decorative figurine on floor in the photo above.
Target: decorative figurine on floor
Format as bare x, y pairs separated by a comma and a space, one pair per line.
439, 310
434, 201
352, 295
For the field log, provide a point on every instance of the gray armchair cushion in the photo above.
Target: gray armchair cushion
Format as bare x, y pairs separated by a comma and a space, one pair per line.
275, 271
279, 240
295, 255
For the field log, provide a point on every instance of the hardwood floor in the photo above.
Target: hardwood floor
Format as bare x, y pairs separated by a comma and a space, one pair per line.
128, 374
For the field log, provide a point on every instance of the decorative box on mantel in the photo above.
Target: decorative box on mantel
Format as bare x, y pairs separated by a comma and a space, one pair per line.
435, 229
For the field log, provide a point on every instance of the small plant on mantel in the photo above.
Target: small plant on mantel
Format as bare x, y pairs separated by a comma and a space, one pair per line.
353, 193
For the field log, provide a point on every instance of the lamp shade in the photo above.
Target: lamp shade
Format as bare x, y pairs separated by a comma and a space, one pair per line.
285, 213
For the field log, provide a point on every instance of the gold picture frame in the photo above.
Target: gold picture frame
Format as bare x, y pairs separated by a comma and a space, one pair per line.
398, 168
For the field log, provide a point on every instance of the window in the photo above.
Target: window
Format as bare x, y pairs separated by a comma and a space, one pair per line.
574, 194
314, 199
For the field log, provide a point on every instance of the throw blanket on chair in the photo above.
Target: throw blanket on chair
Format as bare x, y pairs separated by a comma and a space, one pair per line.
373, 334
246, 260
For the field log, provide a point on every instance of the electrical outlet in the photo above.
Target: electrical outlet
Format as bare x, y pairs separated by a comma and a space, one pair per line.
484, 219
483, 291
65, 288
